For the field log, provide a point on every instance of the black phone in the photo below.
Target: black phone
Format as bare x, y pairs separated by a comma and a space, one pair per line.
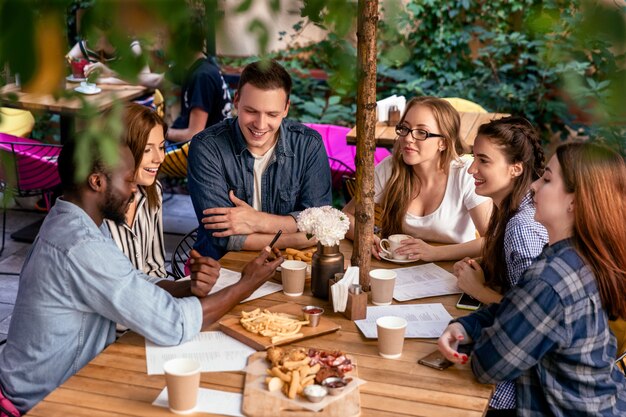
435, 360
467, 302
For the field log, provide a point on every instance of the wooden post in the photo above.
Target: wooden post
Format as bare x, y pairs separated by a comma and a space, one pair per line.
365, 127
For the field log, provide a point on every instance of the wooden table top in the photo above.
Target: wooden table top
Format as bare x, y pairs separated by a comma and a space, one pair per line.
70, 106
386, 135
115, 382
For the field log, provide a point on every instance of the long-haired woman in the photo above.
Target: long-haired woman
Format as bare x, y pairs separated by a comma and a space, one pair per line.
550, 333
507, 158
424, 188
141, 236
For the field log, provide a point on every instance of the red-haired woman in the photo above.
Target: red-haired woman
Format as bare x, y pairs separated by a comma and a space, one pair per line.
550, 333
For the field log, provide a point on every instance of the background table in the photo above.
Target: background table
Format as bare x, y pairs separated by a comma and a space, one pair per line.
116, 383
69, 108
386, 135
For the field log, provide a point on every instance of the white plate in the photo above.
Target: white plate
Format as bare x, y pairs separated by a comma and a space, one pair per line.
82, 89
396, 261
73, 79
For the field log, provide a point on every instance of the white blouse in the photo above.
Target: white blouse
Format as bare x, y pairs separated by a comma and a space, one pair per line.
451, 221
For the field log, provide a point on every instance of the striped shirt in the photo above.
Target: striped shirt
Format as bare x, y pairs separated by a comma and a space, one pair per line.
524, 239
142, 242
551, 334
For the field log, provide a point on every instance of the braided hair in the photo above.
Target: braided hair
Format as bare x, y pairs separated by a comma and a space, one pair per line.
519, 142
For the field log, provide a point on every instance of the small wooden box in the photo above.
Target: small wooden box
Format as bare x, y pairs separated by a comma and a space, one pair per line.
356, 306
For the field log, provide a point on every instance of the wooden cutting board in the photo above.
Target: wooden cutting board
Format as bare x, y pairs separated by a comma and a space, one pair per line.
260, 404
233, 328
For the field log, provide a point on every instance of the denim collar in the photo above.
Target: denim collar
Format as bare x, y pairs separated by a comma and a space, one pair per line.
282, 145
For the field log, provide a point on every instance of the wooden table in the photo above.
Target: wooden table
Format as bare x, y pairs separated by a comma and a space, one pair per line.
116, 383
386, 135
69, 108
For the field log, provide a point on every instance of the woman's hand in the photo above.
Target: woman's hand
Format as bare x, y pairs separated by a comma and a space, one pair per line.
470, 277
99, 69
418, 250
376, 247
449, 342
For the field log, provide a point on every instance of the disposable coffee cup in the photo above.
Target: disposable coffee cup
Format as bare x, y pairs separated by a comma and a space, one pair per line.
382, 282
390, 331
293, 275
393, 243
182, 377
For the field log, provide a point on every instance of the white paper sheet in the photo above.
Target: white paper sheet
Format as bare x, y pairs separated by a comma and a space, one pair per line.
424, 320
210, 401
228, 277
215, 351
422, 281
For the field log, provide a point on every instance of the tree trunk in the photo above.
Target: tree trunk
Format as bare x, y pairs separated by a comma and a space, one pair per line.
366, 144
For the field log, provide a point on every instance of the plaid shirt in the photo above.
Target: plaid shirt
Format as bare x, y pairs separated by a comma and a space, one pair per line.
551, 335
524, 239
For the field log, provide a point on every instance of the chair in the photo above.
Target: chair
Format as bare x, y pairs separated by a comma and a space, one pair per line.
180, 256
29, 168
338, 170
350, 189
465, 106
175, 163
16, 122
621, 363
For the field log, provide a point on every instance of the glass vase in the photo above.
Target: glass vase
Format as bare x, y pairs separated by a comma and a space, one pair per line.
326, 262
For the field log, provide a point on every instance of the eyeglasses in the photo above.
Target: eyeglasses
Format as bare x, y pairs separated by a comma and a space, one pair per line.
417, 134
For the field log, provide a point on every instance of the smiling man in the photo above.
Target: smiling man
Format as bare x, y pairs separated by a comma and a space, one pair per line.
250, 176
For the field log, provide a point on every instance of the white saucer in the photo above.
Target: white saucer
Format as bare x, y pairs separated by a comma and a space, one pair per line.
396, 261
82, 89
73, 79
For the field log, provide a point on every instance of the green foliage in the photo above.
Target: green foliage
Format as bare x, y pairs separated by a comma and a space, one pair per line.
559, 63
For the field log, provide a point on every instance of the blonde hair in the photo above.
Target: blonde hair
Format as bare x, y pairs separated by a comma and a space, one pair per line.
403, 186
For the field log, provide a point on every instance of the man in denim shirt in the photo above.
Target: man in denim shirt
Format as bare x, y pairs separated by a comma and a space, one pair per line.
76, 284
250, 176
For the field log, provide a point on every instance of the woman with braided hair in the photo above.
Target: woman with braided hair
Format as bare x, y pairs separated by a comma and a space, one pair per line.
507, 158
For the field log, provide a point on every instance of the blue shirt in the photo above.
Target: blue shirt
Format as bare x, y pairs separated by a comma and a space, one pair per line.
524, 240
74, 286
551, 335
297, 177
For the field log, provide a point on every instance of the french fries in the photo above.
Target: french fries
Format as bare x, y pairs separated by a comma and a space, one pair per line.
298, 255
288, 373
277, 326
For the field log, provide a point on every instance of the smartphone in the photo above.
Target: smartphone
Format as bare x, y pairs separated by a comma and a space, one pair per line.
467, 302
435, 360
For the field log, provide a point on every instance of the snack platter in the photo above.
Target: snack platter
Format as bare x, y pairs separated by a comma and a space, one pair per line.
233, 327
264, 398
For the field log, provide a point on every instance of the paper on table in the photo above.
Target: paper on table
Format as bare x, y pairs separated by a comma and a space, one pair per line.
382, 106
210, 401
215, 351
340, 289
228, 277
422, 281
424, 320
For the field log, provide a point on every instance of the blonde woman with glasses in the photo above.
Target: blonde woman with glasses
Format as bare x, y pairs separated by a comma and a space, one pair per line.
424, 188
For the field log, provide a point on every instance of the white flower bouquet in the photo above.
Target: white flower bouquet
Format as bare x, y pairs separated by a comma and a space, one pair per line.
327, 224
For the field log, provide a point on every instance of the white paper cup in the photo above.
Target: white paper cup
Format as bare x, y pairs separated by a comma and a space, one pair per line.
293, 275
382, 282
390, 330
391, 244
182, 377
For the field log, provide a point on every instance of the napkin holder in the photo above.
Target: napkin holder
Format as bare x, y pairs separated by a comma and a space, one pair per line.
356, 307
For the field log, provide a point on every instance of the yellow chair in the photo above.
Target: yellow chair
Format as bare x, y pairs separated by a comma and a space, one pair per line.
159, 103
465, 106
175, 163
16, 122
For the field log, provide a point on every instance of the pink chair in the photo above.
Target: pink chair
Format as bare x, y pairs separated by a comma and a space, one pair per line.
28, 168
334, 138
